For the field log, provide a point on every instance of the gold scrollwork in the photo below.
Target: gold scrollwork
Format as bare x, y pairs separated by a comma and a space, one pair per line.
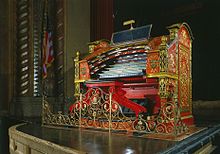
163, 54
153, 75
163, 87
96, 109
163, 61
76, 77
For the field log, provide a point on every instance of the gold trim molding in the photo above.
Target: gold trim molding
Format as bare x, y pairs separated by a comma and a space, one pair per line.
173, 76
77, 81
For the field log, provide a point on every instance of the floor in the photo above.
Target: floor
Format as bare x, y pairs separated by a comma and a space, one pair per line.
92, 141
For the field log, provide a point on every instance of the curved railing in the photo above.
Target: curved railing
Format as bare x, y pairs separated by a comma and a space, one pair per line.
96, 109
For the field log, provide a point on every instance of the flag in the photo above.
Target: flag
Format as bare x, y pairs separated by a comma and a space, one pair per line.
48, 53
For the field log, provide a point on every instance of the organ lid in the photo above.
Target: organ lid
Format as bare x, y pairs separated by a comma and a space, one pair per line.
133, 34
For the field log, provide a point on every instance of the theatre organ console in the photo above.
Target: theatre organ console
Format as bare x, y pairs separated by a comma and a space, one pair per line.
147, 79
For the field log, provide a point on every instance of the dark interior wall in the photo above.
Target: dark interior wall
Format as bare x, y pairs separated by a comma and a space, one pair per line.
5, 56
77, 35
201, 15
101, 19
3, 42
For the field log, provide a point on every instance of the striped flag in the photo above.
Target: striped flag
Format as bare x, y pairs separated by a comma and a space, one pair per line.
48, 53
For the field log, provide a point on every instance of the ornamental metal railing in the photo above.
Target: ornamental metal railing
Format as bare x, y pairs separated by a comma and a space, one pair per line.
96, 109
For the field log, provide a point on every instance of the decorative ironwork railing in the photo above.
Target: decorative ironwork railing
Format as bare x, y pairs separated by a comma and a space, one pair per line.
96, 109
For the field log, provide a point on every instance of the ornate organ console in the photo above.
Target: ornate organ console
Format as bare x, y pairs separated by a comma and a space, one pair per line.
147, 79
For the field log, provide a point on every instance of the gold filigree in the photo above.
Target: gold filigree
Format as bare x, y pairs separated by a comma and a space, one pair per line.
163, 55
168, 75
163, 87
76, 77
96, 109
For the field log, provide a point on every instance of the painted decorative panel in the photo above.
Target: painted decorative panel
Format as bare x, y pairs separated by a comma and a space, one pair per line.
184, 69
172, 58
153, 63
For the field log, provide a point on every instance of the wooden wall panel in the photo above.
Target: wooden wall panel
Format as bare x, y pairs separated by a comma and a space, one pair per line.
6, 53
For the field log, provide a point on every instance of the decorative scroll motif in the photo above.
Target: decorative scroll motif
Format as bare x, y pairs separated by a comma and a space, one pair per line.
163, 55
163, 87
184, 76
56, 119
168, 89
169, 120
23, 48
172, 58
184, 37
190, 76
173, 89
190, 95
185, 79
163, 61
76, 77
96, 109
76, 62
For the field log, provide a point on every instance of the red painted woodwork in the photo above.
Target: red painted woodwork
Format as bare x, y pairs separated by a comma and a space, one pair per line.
140, 93
153, 65
184, 71
119, 96
84, 71
104, 84
172, 58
